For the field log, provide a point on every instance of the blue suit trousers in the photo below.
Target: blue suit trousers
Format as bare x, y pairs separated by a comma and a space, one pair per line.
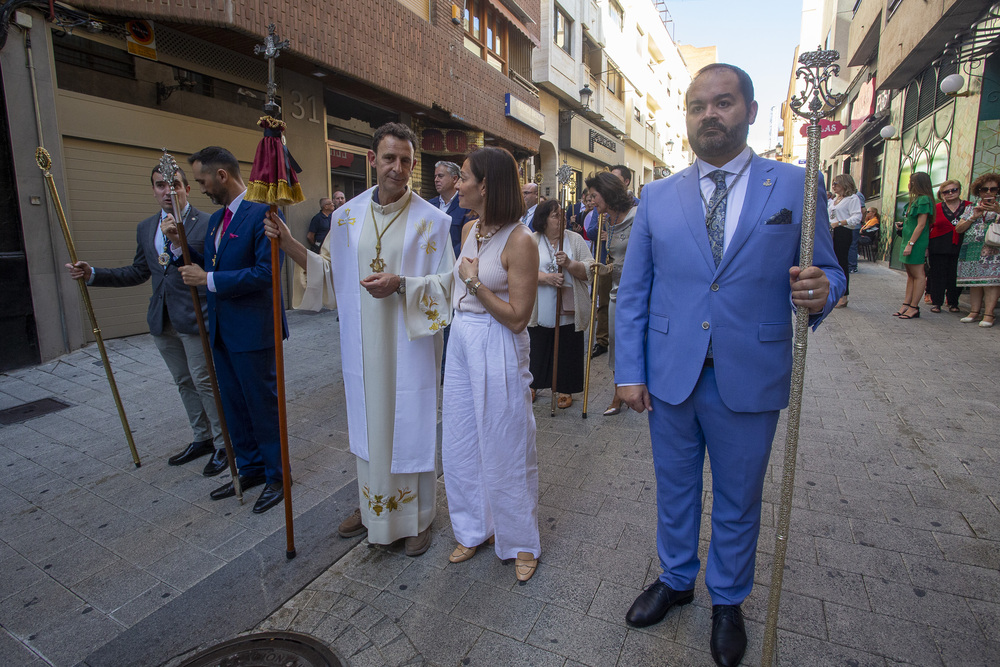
739, 446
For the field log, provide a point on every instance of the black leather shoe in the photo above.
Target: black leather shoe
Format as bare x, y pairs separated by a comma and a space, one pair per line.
598, 350
216, 464
193, 451
729, 637
246, 482
272, 494
654, 603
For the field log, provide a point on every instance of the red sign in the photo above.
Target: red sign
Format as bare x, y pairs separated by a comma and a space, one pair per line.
863, 105
444, 141
827, 128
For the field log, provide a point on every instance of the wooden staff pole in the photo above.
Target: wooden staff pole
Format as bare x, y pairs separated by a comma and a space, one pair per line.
593, 308
555, 335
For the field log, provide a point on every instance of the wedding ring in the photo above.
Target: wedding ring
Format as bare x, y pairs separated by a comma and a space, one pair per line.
810, 294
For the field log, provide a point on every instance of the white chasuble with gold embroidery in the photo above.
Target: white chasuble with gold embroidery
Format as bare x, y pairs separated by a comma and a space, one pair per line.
390, 351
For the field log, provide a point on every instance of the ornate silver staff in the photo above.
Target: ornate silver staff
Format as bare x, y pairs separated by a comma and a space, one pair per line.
817, 67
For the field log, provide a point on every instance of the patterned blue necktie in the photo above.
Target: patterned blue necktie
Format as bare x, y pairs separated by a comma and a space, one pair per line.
716, 221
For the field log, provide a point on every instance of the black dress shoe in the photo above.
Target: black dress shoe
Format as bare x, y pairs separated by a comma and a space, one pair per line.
216, 464
193, 451
246, 482
654, 603
272, 494
598, 350
729, 637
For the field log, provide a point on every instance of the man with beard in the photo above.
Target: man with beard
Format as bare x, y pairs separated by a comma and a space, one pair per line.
704, 313
240, 324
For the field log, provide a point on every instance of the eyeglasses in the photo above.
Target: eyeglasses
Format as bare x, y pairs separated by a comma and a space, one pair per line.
994, 188
950, 191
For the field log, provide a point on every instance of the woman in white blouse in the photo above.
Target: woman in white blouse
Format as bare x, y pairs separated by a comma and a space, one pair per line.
564, 263
845, 216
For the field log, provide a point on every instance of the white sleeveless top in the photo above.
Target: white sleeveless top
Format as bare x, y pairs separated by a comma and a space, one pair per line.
491, 271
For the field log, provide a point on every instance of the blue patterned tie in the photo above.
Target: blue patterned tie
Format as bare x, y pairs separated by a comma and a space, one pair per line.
716, 222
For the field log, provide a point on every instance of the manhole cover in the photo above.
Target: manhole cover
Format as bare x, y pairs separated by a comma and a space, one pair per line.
26, 411
267, 649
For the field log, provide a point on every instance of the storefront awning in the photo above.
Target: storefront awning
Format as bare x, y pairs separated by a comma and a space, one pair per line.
867, 131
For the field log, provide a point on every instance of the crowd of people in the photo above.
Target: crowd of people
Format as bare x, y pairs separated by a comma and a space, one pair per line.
488, 290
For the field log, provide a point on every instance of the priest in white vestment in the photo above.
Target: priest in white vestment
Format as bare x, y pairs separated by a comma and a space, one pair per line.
388, 259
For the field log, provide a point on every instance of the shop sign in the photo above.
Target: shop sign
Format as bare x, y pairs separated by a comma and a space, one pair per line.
827, 128
444, 141
580, 136
340, 159
524, 113
140, 39
882, 101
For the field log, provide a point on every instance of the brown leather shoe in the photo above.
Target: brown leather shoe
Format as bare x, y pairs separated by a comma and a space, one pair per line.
565, 400
418, 544
352, 526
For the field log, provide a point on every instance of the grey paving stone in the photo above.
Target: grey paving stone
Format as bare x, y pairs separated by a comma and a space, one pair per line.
495, 649
440, 589
146, 603
797, 650
934, 608
77, 561
38, 606
895, 538
436, 637
797, 613
966, 580
576, 500
894, 638
583, 638
861, 559
116, 584
183, 568
18, 574
75, 636
504, 612
17, 653
621, 567
376, 567
645, 649
563, 587
958, 649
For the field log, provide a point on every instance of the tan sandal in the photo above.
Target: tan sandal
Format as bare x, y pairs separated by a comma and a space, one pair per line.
525, 565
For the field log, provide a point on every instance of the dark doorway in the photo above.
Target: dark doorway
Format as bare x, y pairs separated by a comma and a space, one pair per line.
17, 317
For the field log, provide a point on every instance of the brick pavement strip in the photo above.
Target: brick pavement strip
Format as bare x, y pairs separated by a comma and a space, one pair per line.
892, 559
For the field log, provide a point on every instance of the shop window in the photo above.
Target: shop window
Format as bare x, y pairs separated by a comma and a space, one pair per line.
923, 95
94, 56
487, 35
563, 31
871, 184
615, 82
616, 14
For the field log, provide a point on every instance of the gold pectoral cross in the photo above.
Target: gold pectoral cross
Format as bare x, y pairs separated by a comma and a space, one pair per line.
347, 221
378, 265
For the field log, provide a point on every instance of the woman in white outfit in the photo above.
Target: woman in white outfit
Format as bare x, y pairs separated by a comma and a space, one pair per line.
488, 442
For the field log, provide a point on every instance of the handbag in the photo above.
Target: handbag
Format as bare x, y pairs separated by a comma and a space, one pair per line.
992, 236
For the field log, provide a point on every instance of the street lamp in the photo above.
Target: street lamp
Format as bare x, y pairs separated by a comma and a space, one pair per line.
888, 132
585, 94
951, 84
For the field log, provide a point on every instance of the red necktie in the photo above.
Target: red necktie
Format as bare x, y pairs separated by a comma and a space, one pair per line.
226, 218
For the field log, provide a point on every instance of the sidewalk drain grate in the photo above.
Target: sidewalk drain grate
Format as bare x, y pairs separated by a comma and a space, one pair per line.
267, 649
26, 411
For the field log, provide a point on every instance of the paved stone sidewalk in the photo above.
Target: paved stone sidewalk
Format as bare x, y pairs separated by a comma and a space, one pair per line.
893, 557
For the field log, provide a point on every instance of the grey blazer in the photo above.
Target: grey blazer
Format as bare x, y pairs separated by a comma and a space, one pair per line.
168, 289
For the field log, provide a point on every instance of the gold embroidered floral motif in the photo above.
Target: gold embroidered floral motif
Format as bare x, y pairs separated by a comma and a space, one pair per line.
379, 502
424, 228
429, 307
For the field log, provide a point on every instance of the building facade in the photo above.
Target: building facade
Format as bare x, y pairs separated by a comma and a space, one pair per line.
106, 91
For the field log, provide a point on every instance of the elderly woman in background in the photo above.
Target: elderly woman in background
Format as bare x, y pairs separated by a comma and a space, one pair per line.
845, 217
915, 229
564, 264
943, 247
488, 428
610, 197
978, 263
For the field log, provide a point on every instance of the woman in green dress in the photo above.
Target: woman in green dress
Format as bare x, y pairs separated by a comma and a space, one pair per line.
916, 233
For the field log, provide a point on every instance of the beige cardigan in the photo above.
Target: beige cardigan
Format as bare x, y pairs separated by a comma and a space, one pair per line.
581, 288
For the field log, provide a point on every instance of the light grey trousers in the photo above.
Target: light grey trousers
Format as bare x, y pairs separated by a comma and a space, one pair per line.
186, 361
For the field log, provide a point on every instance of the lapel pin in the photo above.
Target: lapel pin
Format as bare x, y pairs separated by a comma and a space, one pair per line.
767, 182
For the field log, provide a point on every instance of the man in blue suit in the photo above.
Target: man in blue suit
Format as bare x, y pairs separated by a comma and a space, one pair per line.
236, 270
704, 340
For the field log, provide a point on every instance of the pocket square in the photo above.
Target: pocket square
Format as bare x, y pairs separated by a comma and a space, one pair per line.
233, 236
782, 217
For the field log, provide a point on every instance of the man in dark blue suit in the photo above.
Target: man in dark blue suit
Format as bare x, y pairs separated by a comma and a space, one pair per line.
236, 270
704, 343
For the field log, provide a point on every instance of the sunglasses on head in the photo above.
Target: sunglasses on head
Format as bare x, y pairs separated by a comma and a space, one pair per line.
949, 191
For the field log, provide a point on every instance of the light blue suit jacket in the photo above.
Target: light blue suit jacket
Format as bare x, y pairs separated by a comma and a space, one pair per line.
672, 299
